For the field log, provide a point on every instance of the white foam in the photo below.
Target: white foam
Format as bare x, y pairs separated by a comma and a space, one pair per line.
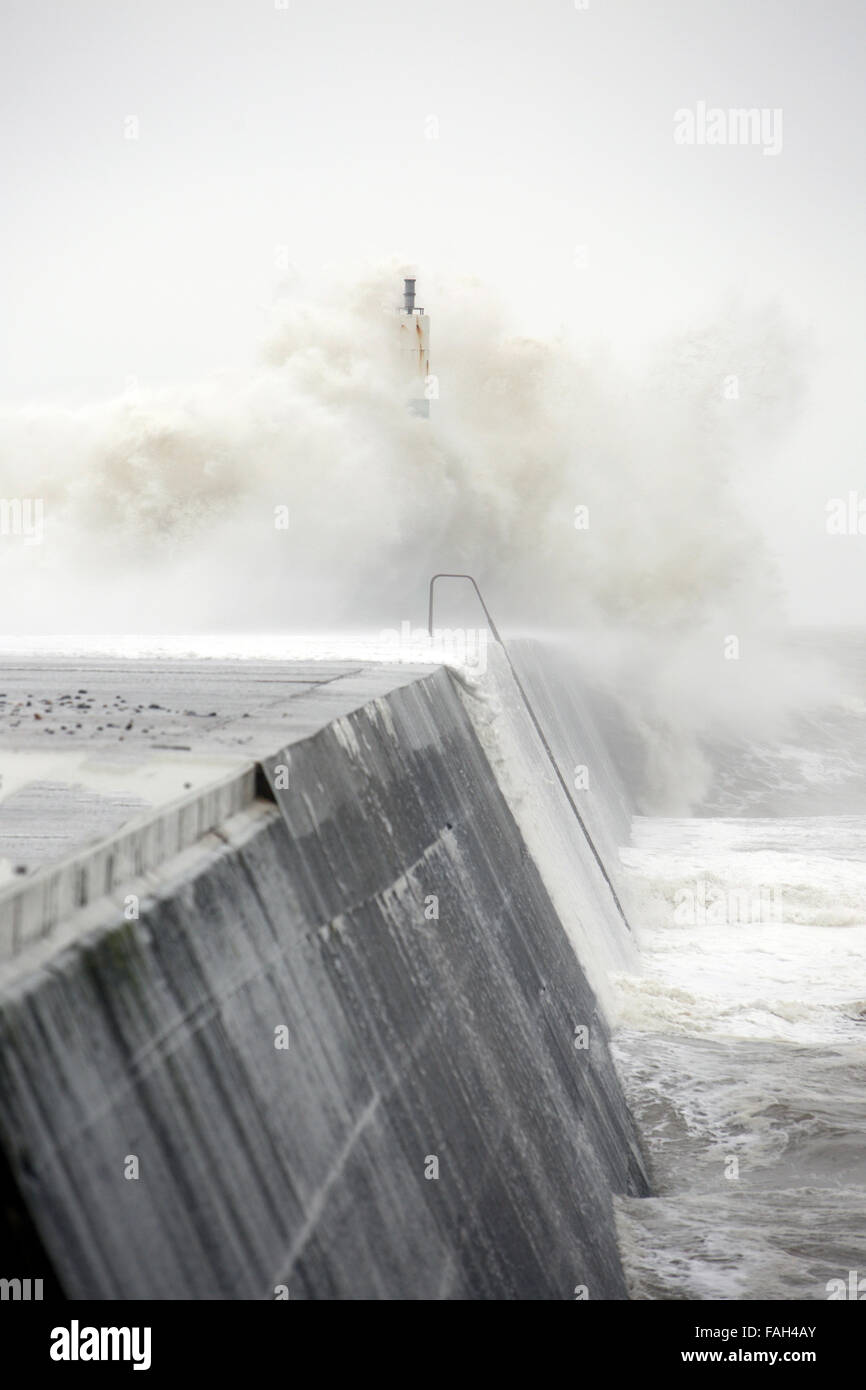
743, 1049
547, 823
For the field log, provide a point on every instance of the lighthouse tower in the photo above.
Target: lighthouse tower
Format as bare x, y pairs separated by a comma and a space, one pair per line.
414, 329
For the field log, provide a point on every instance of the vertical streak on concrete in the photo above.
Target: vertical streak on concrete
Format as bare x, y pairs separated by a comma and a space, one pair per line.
412, 1037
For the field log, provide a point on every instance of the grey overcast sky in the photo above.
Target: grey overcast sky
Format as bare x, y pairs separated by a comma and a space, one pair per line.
309, 127
468, 136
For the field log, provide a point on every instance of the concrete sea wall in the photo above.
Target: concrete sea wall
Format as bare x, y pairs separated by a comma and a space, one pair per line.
339, 1050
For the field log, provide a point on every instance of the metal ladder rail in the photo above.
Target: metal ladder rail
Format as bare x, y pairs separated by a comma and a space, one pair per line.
539, 730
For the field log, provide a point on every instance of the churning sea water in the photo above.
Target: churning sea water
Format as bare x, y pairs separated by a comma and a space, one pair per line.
742, 1040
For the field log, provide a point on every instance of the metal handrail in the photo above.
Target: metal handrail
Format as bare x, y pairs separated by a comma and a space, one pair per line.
531, 712
444, 575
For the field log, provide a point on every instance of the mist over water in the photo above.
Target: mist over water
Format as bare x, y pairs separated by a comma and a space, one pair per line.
159, 515
611, 500
172, 492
